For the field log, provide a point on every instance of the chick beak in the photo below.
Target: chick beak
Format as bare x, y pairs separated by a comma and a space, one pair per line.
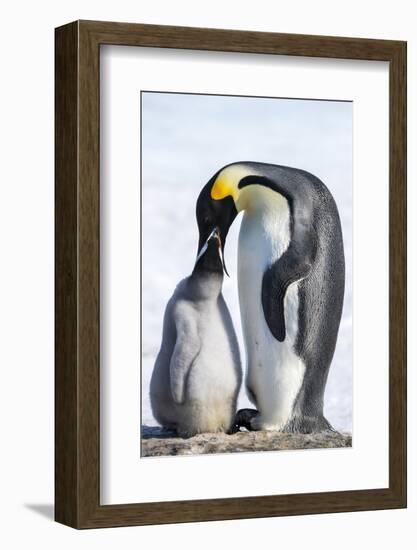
215, 234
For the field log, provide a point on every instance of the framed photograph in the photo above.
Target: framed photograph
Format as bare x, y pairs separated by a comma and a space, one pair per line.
230, 274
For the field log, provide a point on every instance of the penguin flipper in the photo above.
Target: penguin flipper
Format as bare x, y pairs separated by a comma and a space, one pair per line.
276, 280
186, 350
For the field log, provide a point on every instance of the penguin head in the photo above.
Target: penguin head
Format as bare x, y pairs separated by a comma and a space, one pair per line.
214, 219
210, 255
233, 188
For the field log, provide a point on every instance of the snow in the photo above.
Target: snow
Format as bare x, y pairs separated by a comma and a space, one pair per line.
185, 140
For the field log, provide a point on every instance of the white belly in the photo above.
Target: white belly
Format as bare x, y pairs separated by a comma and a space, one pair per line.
274, 372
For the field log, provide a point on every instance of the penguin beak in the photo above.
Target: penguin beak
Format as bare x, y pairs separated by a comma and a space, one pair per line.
205, 245
215, 234
221, 254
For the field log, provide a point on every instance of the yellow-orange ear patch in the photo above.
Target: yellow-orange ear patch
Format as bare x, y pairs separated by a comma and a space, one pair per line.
227, 182
222, 188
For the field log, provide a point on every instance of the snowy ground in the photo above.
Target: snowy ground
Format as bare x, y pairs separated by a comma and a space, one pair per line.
185, 140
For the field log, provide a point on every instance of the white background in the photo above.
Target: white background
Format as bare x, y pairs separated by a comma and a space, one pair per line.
26, 218
124, 72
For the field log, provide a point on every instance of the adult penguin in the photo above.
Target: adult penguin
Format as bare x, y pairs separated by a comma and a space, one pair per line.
291, 277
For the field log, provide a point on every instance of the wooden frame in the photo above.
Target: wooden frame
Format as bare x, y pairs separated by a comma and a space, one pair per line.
77, 373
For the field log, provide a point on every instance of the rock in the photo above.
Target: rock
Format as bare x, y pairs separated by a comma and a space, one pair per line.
159, 442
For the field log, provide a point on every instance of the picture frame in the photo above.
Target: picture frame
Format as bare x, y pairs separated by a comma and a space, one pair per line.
77, 274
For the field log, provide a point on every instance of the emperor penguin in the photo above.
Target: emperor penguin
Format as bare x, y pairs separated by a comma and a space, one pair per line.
291, 278
197, 374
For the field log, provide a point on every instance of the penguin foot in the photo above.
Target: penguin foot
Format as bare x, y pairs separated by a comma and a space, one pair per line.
233, 429
243, 419
303, 424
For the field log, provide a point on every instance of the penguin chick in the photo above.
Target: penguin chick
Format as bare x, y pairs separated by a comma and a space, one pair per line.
197, 373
